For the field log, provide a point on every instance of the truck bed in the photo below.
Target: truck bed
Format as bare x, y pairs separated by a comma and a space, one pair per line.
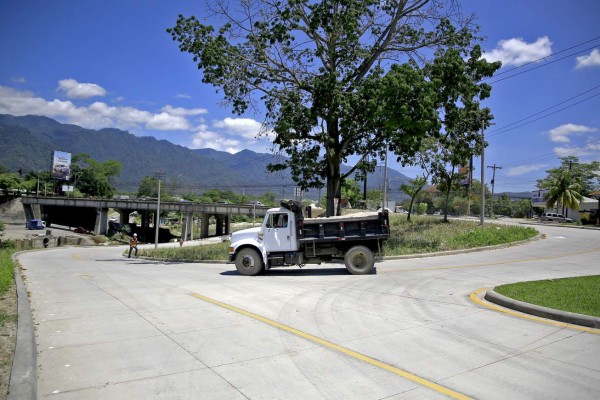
363, 225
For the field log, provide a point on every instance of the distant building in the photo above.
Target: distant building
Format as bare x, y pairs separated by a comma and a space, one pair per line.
588, 207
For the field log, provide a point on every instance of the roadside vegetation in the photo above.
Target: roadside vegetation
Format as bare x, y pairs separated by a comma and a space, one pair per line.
579, 295
6, 269
6, 265
213, 252
425, 234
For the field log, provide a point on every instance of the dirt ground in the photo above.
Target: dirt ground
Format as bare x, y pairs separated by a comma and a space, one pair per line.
8, 337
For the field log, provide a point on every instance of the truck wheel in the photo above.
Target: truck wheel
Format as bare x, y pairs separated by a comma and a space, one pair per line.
359, 260
248, 262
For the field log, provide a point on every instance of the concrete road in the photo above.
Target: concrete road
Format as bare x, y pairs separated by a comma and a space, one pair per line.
115, 328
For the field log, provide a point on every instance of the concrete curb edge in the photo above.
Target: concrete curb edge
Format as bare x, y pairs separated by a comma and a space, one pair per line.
544, 312
23, 375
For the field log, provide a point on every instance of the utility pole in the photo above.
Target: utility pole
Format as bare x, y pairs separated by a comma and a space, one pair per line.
494, 167
482, 216
385, 181
365, 186
470, 186
159, 176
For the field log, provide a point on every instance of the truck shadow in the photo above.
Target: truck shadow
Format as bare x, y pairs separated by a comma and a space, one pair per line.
299, 272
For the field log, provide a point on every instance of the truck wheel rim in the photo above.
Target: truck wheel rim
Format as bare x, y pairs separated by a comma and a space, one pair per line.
359, 260
248, 262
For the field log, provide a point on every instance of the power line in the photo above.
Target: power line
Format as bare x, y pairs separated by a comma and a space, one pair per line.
541, 59
495, 133
505, 128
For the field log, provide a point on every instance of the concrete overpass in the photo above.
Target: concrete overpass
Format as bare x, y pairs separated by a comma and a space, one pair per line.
75, 211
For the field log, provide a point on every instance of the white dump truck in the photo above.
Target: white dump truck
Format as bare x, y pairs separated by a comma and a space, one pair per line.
286, 238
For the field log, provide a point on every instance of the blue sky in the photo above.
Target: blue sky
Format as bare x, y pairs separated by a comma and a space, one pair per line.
111, 64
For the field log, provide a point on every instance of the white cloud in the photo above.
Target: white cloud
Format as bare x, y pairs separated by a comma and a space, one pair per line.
561, 133
180, 111
76, 90
517, 52
231, 134
204, 138
524, 169
588, 149
98, 114
591, 60
245, 127
19, 79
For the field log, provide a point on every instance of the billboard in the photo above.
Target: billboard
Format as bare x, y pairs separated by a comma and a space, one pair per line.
538, 198
61, 165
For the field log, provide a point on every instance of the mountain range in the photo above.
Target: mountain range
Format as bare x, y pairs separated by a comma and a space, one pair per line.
28, 142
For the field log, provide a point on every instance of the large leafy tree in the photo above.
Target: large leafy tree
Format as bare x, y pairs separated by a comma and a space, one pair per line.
93, 177
338, 78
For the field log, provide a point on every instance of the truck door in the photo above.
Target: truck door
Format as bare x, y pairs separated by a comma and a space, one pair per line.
278, 233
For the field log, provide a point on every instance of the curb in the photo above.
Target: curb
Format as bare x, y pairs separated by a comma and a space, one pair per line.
544, 312
23, 375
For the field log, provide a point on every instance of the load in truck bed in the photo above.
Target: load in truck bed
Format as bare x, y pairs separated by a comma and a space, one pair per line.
363, 225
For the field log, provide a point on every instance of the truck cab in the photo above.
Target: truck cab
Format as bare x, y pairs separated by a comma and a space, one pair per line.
277, 234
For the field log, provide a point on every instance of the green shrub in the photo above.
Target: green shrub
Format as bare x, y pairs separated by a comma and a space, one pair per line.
216, 251
6, 269
430, 234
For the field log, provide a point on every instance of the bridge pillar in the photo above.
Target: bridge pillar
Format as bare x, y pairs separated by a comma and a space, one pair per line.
145, 227
123, 217
30, 211
188, 227
204, 222
223, 224
101, 226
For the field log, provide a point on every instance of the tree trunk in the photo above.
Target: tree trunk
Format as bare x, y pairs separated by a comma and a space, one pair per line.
333, 190
446, 205
412, 200
334, 182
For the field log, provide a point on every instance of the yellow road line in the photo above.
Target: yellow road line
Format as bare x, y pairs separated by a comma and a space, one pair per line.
475, 298
341, 349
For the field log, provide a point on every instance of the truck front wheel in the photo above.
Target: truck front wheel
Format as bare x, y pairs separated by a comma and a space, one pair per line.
248, 262
359, 260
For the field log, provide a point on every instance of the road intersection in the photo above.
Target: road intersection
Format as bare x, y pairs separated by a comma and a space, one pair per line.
110, 327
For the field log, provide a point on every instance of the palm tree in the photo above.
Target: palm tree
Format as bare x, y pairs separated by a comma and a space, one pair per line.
563, 190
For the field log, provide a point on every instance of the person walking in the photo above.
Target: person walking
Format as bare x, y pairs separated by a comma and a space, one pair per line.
133, 245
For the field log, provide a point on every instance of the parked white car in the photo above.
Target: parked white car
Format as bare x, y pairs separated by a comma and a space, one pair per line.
554, 217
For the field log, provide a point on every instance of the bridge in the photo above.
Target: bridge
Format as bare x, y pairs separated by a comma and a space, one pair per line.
90, 213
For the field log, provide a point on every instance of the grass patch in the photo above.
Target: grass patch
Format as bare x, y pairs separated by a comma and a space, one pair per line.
430, 235
578, 295
213, 252
6, 269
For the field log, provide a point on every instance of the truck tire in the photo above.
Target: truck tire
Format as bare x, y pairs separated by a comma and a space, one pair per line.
359, 260
248, 262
